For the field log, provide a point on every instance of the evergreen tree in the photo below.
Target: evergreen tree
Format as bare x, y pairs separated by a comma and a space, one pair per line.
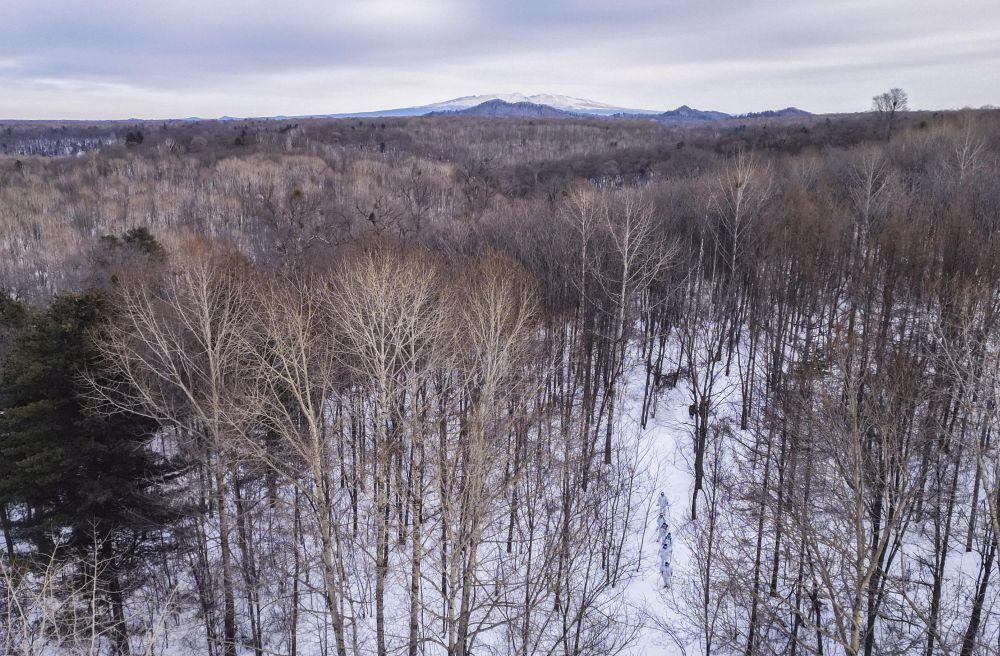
76, 477
12, 315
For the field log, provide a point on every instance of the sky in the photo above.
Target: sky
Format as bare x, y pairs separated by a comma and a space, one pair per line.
115, 59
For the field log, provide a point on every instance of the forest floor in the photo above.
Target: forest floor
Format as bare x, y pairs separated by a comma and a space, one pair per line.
668, 445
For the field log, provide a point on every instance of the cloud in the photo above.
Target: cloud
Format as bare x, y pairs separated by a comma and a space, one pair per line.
118, 58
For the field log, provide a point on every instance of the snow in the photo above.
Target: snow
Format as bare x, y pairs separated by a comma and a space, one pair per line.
669, 484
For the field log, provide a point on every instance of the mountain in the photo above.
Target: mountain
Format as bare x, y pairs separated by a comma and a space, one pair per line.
503, 109
579, 106
546, 105
685, 114
776, 113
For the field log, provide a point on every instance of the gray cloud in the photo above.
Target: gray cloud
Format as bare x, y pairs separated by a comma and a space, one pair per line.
118, 58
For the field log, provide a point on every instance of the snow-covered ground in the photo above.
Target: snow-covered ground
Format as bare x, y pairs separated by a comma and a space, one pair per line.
668, 445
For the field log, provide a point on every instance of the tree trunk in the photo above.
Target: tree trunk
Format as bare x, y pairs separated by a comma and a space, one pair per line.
228, 598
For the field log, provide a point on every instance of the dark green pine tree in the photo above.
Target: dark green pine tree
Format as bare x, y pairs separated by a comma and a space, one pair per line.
72, 476
12, 317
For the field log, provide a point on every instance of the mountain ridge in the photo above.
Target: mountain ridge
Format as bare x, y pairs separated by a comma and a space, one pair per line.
518, 105
498, 108
581, 106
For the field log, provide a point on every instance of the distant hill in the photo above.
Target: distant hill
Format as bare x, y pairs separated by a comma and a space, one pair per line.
776, 113
685, 114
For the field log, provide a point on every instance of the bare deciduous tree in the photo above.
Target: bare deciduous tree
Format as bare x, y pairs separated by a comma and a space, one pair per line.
888, 105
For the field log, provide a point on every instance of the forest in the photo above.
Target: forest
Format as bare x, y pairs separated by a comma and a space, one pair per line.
468, 386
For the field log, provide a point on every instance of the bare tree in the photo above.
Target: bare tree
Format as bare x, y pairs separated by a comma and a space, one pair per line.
176, 353
495, 315
54, 605
888, 105
384, 306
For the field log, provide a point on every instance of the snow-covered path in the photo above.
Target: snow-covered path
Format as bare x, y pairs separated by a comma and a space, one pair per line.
667, 453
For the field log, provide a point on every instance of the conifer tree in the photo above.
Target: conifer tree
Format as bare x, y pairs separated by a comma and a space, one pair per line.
12, 315
76, 478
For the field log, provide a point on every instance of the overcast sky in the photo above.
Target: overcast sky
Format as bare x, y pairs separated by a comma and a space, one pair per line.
179, 58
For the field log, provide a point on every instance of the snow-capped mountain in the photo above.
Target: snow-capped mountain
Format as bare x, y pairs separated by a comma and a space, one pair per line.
580, 106
498, 108
565, 103
548, 105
